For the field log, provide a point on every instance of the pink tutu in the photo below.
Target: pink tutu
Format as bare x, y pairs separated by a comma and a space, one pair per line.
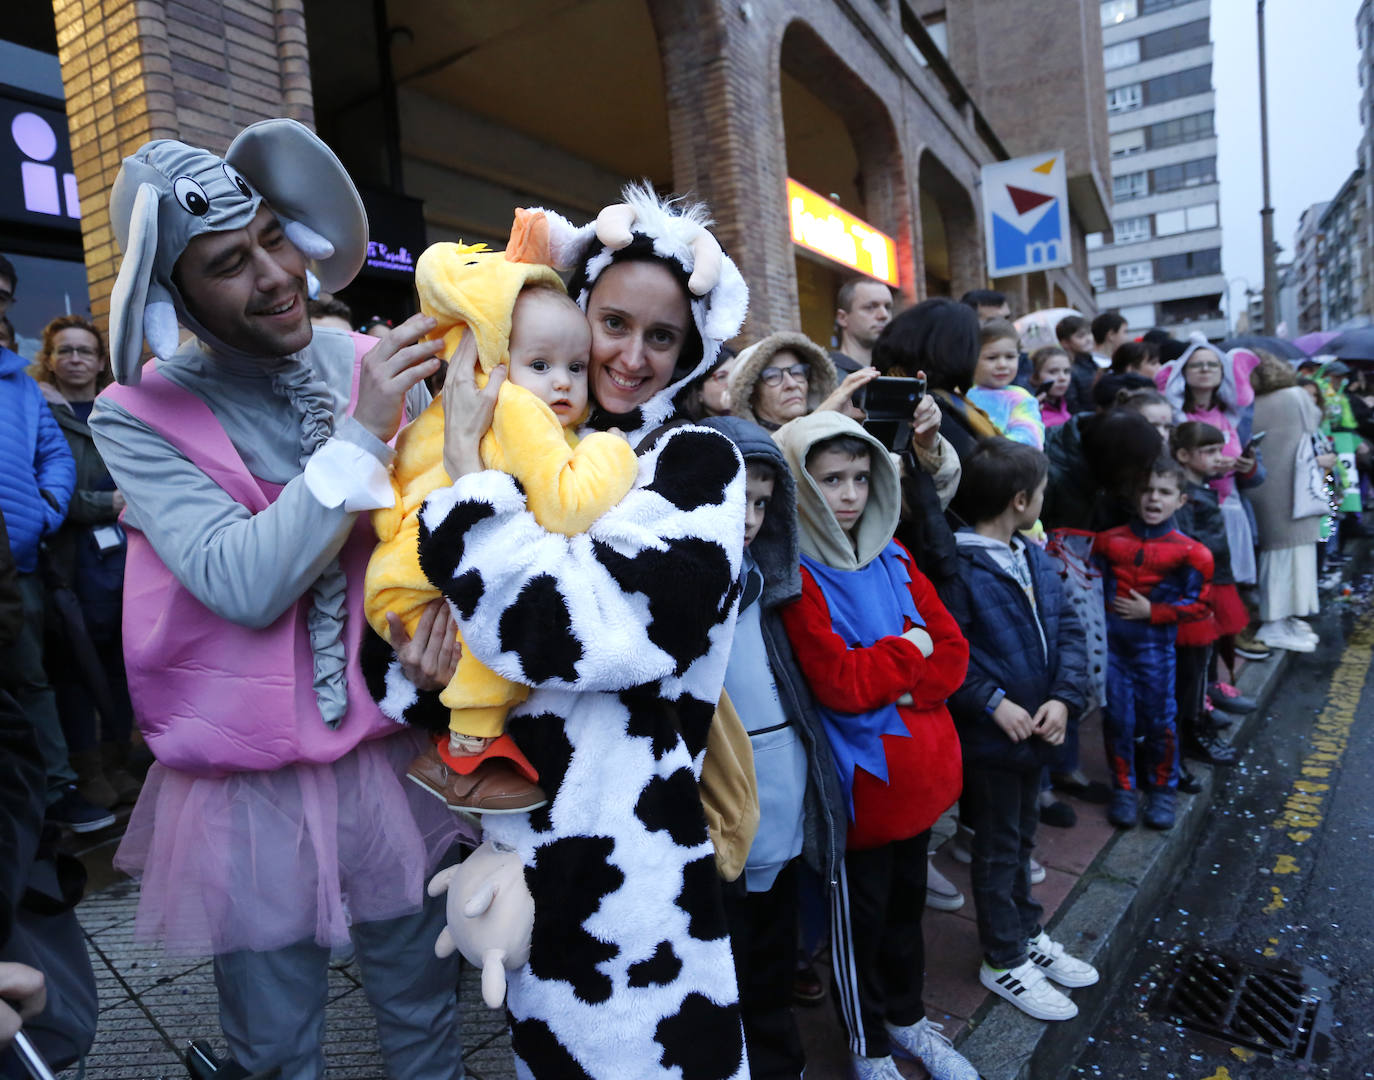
260, 860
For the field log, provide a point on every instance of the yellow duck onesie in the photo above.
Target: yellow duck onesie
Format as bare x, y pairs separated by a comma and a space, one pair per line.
568, 482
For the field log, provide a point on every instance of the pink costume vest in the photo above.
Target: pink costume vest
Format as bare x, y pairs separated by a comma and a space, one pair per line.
213, 697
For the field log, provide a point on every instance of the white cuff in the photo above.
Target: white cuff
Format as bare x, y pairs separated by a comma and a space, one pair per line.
341, 474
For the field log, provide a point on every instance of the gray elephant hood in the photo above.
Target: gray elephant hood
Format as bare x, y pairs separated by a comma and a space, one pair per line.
168, 193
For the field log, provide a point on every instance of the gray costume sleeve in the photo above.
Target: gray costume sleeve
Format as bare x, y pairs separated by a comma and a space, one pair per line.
247, 568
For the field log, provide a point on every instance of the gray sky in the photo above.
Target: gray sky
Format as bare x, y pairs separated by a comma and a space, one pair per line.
1314, 119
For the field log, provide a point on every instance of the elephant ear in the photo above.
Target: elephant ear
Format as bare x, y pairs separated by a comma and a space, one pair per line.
129, 299
303, 181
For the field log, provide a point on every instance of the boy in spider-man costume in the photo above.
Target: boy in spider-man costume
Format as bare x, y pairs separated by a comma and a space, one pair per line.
1155, 578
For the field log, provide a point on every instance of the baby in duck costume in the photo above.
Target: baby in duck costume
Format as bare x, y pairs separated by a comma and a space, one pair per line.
518, 310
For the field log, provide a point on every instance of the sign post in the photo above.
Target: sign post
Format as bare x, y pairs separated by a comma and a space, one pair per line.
1026, 214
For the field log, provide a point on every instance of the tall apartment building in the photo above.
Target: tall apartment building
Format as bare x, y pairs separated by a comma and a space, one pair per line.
1343, 256
1307, 268
1364, 37
1161, 263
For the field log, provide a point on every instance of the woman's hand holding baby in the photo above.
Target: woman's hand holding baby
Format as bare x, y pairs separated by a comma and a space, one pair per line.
430, 658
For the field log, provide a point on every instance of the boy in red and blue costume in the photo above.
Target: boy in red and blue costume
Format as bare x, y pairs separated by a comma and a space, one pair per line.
1154, 579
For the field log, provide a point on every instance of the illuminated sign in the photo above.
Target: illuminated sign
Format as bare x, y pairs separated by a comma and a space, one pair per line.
381, 257
820, 226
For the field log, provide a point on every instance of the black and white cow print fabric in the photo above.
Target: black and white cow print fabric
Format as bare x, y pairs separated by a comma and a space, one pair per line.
624, 634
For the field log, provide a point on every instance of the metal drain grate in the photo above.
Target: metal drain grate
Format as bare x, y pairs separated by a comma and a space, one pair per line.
1271, 1009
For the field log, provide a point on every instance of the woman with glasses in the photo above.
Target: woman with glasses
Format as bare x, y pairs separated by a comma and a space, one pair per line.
782, 377
88, 557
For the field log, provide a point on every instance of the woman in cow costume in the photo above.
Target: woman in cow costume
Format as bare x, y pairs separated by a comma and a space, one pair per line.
623, 633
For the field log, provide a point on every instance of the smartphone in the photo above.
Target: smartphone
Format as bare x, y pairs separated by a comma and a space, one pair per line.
892, 399
1255, 439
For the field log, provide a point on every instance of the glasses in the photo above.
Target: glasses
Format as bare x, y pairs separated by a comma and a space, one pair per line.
773, 376
1204, 365
83, 351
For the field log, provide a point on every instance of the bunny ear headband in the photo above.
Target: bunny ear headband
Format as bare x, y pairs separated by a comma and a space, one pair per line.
169, 193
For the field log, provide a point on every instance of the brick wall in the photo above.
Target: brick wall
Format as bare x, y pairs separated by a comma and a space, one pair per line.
195, 70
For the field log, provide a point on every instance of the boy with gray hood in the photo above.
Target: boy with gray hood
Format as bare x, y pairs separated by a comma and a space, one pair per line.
801, 810
881, 654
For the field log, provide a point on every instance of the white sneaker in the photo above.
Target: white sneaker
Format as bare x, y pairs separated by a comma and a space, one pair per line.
941, 893
1301, 629
1049, 956
866, 1068
1027, 988
961, 845
1037, 873
924, 1041
1277, 636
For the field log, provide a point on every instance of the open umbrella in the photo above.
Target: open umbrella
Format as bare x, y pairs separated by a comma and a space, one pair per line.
1037, 328
1275, 346
1314, 344
1352, 345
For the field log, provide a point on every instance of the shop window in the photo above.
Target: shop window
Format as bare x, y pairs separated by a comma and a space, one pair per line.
1121, 54
1132, 230
1118, 11
1126, 143
1133, 185
1131, 274
1124, 98
1178, 84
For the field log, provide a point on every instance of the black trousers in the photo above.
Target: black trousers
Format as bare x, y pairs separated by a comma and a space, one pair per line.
1190, 688
876, 946
763, 937
1005, 814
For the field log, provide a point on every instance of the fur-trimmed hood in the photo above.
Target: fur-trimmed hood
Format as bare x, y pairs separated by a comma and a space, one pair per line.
750, 363
821, 535
777, 547
672, 229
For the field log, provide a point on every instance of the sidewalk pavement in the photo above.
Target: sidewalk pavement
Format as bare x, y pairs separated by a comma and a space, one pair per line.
1100, 889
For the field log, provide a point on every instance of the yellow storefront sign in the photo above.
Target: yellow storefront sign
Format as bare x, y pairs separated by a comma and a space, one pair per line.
820, 226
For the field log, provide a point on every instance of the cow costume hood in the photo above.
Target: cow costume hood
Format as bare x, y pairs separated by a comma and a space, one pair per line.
169, 193
643, 226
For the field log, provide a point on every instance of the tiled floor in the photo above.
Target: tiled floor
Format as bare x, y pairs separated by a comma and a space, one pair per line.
152, 1006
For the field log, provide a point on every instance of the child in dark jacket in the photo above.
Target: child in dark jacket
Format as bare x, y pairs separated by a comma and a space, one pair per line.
881, 655
1027, 678
801, 811
1154, 579
1197, 447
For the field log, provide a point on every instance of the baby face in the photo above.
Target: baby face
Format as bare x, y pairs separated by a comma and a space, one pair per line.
550, 344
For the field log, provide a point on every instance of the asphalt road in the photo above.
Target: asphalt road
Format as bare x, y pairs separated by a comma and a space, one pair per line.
1283, 874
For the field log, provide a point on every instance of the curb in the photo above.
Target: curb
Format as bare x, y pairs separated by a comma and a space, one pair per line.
1108, 912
